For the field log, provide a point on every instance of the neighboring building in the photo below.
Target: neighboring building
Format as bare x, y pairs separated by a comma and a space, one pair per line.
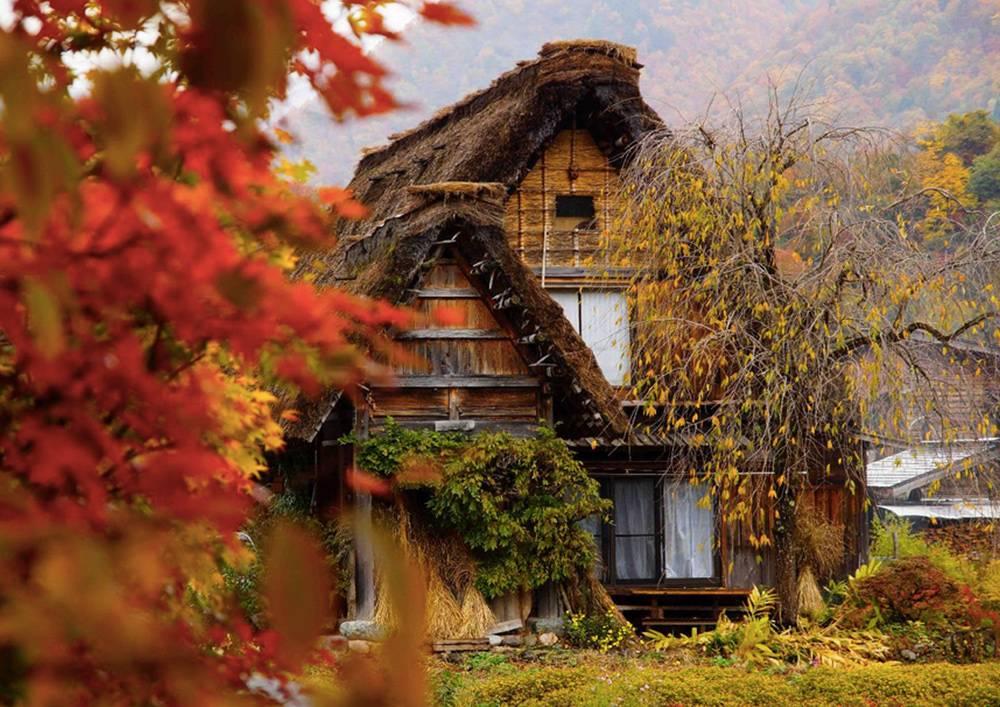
947, 467
496, 206
938, 481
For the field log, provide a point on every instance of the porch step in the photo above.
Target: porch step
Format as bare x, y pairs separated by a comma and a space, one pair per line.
677, 610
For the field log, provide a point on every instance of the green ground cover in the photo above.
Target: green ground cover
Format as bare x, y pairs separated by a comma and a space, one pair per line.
589, 679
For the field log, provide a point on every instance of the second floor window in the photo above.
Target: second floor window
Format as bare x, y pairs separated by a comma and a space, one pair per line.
601, 318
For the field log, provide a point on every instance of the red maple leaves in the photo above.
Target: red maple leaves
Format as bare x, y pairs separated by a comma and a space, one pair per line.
144, 298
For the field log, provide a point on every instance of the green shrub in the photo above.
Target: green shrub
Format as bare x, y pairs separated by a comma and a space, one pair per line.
603, 632
516, 503
495, 662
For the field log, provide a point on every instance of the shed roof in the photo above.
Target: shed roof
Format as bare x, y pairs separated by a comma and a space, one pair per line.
923, 464
949, 510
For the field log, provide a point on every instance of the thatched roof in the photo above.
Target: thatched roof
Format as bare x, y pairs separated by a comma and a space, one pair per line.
447, 180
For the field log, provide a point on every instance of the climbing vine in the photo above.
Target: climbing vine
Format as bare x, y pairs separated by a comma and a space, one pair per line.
515, 502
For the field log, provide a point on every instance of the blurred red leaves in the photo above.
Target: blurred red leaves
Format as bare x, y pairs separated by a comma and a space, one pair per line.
365, 482
446, 13
297, 588
144, 249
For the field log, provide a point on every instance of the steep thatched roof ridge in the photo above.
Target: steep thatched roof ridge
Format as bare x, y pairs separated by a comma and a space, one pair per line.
549, 55
494, 135
447, 180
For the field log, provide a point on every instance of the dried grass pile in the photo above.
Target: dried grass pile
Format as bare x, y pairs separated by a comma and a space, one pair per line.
819, 543
810, 598
455, 608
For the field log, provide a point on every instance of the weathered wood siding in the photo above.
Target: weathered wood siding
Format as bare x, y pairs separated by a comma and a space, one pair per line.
572, 164
463, 367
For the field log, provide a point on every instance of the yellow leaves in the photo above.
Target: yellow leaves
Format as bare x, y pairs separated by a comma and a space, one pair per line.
44, 316
298, 172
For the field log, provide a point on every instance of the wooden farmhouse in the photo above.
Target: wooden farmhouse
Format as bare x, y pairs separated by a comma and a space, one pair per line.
496, 206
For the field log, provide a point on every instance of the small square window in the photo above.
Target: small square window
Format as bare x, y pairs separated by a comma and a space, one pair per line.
574, 211
574, 205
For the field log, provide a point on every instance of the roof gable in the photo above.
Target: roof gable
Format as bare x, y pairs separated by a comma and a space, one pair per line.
495, 135
445, 183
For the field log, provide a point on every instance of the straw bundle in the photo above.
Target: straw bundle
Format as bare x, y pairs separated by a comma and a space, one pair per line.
810, 599
455, 608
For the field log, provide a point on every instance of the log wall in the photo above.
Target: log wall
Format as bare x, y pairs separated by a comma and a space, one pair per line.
463, 367
572, 164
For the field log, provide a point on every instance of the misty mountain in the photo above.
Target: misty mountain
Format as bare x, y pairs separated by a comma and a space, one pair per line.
884, 62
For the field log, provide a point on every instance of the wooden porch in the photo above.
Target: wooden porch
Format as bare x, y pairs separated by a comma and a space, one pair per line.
677, 610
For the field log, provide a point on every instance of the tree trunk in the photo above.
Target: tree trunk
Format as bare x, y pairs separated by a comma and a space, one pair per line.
786, 573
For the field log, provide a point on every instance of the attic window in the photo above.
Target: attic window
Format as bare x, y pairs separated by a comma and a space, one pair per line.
574, 211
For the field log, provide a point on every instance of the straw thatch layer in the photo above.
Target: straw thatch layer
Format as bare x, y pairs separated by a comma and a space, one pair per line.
450, 177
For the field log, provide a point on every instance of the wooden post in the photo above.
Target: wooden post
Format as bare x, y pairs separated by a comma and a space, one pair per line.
364, 551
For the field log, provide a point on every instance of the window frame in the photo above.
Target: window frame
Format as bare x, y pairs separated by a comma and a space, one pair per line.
607, 551
577, 322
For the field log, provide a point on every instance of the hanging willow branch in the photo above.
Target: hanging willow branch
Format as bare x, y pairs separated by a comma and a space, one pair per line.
783, 303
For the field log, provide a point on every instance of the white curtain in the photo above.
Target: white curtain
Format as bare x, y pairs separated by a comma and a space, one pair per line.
689, 531
604, 326
601, 319
569, 300
635, 519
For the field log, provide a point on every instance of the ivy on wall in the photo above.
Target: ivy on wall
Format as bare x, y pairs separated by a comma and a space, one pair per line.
516, 502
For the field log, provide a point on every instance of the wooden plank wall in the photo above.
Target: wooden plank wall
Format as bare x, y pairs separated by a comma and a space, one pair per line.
465, 369
572, 164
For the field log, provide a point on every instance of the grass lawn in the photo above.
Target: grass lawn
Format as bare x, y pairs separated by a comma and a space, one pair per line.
575, 678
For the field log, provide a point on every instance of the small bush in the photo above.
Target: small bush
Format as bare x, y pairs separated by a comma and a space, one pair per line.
913, 589
896, 539
603, 632
496, 662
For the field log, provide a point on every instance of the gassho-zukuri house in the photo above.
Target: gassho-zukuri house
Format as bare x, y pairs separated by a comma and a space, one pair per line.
495, 206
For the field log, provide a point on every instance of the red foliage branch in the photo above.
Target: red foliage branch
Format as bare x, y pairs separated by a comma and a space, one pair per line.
141, 232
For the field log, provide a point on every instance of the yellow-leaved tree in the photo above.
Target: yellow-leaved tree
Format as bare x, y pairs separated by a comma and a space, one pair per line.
778, 365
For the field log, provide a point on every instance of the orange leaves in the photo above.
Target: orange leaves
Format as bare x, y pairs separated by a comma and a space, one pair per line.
449, 316
297, 587
144, 245
446, 13
342, 201
364, 482
131, 115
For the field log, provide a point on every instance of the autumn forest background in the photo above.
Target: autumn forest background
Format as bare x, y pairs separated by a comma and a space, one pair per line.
895, 64
164, 167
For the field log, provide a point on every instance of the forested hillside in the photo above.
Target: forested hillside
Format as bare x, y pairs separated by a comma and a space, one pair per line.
887, 62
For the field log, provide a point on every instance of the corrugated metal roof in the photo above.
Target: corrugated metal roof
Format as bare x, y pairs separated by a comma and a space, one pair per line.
961, 510
918, 461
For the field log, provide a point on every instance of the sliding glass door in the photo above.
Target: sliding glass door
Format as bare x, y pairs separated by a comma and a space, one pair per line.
662, 531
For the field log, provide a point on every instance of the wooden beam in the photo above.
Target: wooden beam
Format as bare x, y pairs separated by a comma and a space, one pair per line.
515, 429
461, 382
441, 293
414, 334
